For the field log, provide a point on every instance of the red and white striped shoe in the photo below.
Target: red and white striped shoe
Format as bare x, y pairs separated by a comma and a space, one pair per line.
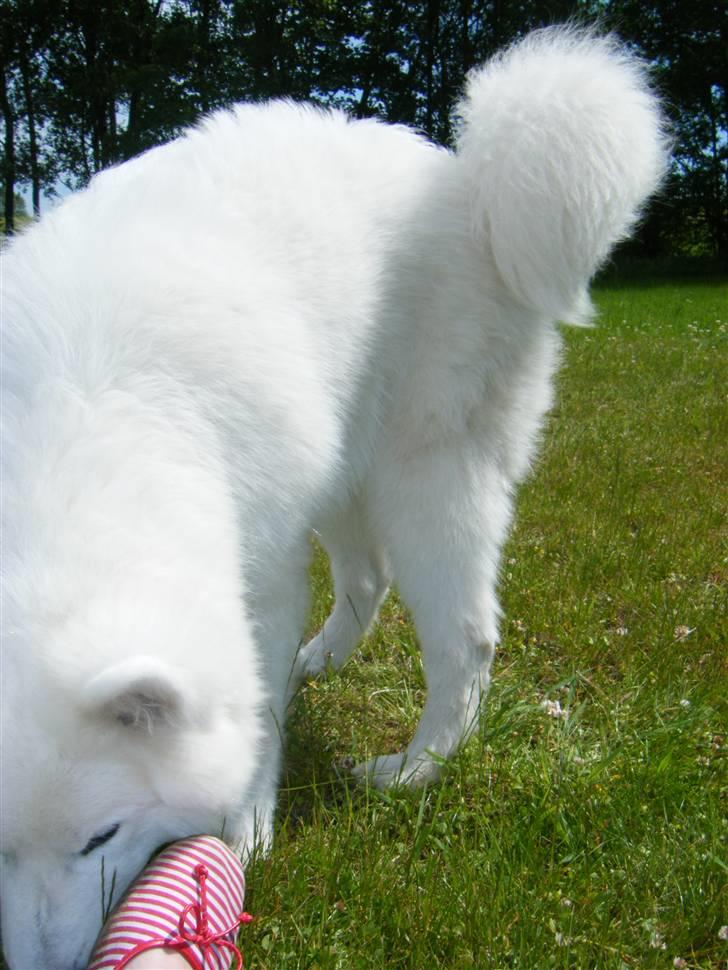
189, 899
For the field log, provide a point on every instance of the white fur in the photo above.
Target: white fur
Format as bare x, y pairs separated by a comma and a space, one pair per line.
281, 321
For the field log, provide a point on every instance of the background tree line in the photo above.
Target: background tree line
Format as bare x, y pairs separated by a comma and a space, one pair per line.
87, 83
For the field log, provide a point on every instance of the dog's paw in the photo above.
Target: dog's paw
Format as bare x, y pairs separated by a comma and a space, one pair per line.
393, 770
386, 771
314, 660
312, 663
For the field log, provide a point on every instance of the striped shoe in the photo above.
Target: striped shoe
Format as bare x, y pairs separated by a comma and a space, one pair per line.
189, 899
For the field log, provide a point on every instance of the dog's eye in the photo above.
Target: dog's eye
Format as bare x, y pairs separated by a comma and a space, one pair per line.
98, 840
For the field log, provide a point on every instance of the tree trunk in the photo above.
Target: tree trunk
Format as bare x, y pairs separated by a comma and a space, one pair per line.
98, 73
145, 25
371, 63
431, 38
32, 136
466, 47
203, 57
268, 20
8, 157
497, 24
717, 208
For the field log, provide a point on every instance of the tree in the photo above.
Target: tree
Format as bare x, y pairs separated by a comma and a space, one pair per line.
9, 152
687, 45
87, 83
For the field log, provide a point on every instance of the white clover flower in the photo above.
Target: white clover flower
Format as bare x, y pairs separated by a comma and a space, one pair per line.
682, 632
553, 708
723, 933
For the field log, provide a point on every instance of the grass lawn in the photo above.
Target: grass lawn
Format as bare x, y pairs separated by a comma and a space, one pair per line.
586, 833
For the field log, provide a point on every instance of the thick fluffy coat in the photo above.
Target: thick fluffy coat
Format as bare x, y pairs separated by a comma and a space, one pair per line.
283, 320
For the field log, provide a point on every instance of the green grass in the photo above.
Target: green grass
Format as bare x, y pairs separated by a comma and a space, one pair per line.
597, 839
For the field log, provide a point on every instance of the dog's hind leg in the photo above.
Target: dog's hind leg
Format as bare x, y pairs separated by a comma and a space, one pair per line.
361, 580
446, 514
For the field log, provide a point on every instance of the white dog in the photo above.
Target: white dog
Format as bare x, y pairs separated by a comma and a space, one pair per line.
283, 320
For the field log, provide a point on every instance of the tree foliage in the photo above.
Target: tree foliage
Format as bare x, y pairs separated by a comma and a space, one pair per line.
87, 83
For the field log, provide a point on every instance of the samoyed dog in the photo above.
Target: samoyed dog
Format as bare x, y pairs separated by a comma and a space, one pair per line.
282, 321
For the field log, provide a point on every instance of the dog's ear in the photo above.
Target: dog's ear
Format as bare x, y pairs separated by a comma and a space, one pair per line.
141, 693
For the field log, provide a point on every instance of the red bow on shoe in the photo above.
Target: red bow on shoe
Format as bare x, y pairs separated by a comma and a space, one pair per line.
202, 935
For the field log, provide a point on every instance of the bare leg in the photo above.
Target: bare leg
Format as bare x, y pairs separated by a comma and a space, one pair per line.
159, 959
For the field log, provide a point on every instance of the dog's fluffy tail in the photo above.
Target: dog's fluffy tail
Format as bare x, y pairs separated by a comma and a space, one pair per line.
562, 142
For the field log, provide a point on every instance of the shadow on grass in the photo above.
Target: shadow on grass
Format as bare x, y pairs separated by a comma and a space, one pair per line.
627, 273
310, 775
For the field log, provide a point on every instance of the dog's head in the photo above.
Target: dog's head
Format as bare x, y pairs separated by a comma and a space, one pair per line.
94, 781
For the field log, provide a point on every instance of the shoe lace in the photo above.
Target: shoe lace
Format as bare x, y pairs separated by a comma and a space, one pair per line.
200, 934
